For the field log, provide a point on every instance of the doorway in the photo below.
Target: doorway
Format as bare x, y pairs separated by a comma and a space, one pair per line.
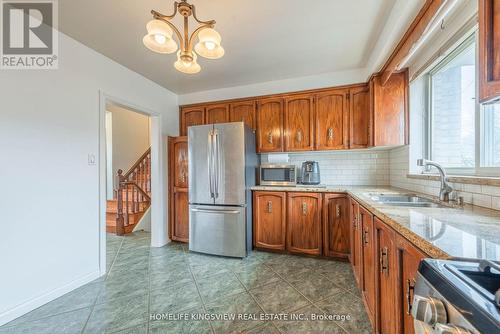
129, 172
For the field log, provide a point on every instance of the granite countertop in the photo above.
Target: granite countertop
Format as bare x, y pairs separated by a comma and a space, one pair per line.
445, 232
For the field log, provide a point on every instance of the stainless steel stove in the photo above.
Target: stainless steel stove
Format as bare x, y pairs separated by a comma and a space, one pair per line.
457, 297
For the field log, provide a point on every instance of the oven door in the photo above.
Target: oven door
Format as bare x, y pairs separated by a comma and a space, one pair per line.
278, 175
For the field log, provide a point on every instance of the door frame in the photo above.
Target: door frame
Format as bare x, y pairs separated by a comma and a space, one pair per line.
158, 223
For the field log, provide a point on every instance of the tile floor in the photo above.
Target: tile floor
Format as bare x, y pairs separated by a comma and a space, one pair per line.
143, 281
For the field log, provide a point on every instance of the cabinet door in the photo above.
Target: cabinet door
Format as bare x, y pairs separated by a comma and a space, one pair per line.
180, 225
191, 116
359, 117
332, 120
304, 223
243, 112
408, 258
356, 247
180, 163
386, 278
390, 110
299, 123
178, 191
489, 49
269, 222
335, 225
217, 113
270, 125
368, 286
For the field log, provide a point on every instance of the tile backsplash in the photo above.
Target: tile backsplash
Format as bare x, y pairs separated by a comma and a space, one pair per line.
481, 195
360, 167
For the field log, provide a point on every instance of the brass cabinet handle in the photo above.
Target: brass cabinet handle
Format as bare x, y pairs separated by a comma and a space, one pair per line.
337, 210
269, 207
330, 133
182, 177
304, 208
270, 137
384, 260
410, 286
299, 136
365, 237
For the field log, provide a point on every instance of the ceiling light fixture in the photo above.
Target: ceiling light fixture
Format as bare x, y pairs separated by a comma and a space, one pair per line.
160, 38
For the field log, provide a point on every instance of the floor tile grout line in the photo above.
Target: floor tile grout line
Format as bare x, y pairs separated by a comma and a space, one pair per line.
100, 289
199, 295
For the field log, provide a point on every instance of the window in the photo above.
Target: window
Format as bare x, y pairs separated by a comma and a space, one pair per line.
455, 118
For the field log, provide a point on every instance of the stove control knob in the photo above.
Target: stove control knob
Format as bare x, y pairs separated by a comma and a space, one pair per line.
449, 329
429, 310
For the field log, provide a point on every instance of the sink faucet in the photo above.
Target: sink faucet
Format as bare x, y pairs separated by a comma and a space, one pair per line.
446, 189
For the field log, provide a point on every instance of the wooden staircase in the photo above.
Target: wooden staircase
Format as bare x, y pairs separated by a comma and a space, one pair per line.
132, 197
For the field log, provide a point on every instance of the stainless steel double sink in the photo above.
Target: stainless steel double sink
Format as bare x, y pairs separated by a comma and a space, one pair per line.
408, 200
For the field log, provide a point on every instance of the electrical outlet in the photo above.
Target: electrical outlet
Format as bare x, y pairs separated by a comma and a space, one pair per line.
91, 159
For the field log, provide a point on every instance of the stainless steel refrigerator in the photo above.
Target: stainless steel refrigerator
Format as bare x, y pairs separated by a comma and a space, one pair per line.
222, 163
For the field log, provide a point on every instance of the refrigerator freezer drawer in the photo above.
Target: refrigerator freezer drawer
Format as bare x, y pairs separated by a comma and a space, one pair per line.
218, 230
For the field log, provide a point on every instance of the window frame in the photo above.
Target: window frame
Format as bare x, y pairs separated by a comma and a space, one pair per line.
479, 119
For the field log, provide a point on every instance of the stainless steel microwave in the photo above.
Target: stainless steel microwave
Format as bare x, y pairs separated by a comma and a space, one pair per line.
277, 175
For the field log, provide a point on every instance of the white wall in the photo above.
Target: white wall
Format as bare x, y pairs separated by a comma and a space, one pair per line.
279, 86
49, 123
130, 137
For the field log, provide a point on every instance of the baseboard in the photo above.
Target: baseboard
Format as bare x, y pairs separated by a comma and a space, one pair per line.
36, 302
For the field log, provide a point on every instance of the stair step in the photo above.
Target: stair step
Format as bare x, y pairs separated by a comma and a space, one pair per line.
133, 218
112, 205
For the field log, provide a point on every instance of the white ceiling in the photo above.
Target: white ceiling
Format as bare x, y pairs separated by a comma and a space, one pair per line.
264, 40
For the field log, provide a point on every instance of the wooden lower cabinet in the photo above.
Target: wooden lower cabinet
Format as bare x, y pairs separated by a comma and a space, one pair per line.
336, 239
269, 220
304, 223
355, 235
180, 215
408, 258
368, 281
385, 252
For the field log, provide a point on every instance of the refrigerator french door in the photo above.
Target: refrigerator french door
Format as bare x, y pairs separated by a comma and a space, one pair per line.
222, 162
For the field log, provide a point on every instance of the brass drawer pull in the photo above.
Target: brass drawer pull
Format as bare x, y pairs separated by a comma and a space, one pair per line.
304, 208
384, 260
337, 210
270, 137
330, 133
299, 135
269, 207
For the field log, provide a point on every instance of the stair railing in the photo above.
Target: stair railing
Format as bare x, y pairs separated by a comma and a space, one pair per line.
134, 191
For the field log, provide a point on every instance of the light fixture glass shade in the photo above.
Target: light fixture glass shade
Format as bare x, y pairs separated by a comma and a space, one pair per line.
159, 38
189, 68
208, 45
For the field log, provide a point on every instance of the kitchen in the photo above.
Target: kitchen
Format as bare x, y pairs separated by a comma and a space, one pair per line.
384, 231
305, 167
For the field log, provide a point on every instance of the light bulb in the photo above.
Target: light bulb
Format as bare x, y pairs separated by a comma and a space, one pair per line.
210, 45
160, 39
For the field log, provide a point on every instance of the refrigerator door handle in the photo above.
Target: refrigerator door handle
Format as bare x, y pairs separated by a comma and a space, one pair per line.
211, 163
216, 211
216, 163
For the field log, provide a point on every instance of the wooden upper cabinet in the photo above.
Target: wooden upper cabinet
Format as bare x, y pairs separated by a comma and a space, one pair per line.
390, 110
270, 125
269, 222
304, 223
299, 123
179, 157
243, 112
489, 50
332, 120
368, 285
386, 272
336, 225
356, 256
218, 113
359, 117
191, 116
408, 258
